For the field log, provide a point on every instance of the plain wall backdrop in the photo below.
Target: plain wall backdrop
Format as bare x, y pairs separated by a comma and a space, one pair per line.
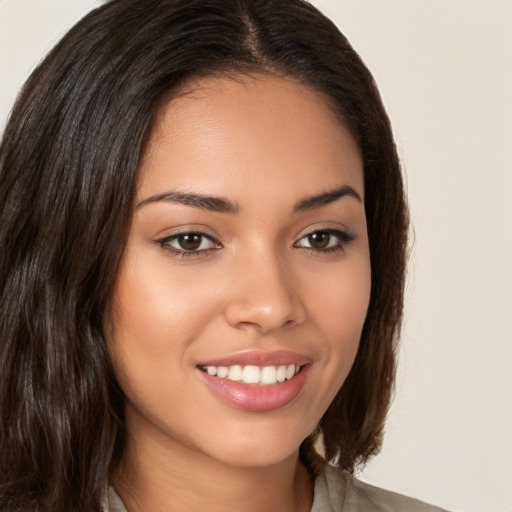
444, 68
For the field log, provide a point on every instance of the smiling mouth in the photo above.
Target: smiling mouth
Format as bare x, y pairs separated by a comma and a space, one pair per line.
250, 374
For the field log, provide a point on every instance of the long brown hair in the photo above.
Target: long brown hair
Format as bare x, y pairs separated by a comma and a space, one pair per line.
68, 160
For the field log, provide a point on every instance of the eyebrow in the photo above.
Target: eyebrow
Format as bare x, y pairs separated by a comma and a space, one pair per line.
309, 203
223, 205
210, 203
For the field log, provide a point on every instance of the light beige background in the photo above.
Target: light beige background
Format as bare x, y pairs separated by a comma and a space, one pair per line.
444, 68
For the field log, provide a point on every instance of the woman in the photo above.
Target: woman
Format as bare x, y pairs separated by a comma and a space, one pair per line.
203, 232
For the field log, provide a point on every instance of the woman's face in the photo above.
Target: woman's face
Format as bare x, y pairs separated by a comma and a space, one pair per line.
245, 281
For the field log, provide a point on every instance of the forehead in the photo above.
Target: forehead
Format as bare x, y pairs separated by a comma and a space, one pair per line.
249, 130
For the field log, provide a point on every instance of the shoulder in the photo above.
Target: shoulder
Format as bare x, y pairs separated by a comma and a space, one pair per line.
338, 491
113, 502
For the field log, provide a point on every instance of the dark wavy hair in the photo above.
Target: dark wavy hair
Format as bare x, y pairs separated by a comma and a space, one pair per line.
69, 156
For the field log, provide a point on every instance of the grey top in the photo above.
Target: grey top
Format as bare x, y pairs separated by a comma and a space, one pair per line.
336, 491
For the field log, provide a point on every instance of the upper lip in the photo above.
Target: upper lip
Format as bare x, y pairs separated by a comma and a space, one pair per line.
259, 358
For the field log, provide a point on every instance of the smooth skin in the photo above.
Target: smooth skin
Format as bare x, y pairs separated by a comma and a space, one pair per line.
268, 271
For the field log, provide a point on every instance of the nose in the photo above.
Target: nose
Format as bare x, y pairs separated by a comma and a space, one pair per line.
263, 296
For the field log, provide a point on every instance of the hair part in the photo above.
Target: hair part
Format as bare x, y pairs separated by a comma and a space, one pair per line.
68, 162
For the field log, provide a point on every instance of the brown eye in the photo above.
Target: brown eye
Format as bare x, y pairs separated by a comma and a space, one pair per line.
319, 239
327, 240
190, 241
188, 244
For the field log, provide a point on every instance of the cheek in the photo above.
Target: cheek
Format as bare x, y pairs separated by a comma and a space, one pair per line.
154, 319
342, 303
339, 313
154, 305
154, 322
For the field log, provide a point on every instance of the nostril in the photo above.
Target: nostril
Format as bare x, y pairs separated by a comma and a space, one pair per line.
262, 305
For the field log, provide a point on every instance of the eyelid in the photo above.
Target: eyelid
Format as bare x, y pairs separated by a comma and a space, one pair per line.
330, 227
344, 237
165, 243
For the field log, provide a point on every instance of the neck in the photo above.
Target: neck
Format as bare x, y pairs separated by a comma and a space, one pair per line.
175, 479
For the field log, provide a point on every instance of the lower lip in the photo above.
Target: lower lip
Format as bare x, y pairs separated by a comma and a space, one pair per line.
253, 397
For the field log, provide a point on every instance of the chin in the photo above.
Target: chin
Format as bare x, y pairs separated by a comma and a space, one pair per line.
261, 446
258, 457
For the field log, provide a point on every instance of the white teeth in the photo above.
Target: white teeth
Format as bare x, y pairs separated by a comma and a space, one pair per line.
235, 373
222, 371
269, 375
281, 373
251, 374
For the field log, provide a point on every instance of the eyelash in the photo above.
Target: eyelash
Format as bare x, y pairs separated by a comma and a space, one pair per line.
344, 238
165, 243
